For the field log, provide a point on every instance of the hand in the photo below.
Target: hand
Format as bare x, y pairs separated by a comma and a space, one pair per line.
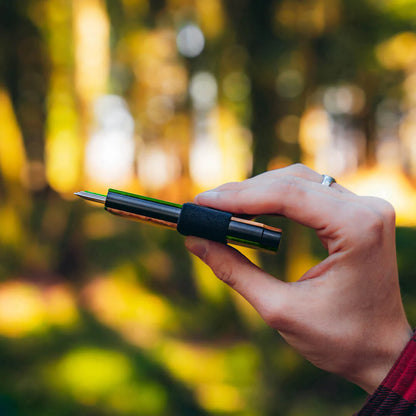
345, 315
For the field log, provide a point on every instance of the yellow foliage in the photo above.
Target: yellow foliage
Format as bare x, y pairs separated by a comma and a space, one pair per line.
60, 306
63, 155
10, 225
185, 362
64, 147
211, 17
218, 397
92, 31
123, 304
22, 310
136, 6
25, 309
12, 153
90, 373
205, 370
207, 284
399, 52
147, 398
308, 16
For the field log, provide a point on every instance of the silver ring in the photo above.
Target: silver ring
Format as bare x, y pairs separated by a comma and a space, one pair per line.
327, 180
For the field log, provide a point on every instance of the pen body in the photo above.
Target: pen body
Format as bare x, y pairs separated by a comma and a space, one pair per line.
143, 209
239, 231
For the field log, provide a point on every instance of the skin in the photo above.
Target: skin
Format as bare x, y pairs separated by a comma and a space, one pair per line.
345, 315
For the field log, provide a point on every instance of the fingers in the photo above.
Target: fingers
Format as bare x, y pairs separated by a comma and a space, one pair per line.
298, 170
308, 203
265, 293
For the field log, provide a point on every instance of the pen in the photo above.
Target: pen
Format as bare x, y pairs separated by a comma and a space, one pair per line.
189, 219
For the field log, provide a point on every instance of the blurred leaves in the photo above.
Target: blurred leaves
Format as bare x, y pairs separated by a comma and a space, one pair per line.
100, 316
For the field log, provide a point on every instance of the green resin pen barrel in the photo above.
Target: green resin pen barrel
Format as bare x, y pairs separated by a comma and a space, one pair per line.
196, 220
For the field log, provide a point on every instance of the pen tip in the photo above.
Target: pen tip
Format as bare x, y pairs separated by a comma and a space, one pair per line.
90, 196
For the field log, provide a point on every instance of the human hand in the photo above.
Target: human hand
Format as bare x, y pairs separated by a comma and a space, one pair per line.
345, 315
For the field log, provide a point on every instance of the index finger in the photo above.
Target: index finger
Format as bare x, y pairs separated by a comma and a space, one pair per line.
298, 170
308, 203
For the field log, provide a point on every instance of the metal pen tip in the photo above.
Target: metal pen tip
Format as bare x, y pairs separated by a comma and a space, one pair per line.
91, 196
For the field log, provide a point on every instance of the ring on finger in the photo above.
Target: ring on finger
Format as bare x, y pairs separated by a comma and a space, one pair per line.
327, 180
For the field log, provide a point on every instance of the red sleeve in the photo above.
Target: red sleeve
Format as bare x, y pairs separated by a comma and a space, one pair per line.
396, 396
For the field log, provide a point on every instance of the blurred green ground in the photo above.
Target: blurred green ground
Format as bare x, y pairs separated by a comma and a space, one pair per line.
146, 341
197, 340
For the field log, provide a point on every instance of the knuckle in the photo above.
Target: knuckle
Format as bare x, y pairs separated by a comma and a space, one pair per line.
223, 270
226, 275
299, 168
386, 210
370, 224
369, 219
383, 213
375, 227
270, 316
274, 316
229, 186
285, 185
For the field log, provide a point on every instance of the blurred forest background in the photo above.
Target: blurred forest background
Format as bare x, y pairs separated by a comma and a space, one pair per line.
100, 316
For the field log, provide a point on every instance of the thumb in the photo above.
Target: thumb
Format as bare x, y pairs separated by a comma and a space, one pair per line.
268, 295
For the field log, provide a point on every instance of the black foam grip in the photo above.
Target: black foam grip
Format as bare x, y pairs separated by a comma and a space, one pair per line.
204, 222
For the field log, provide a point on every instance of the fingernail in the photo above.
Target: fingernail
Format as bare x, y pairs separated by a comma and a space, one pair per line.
197, 246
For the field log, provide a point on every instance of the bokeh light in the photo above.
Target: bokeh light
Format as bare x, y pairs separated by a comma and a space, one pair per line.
157, 167
26, 309
110, 151
98, 372
203, 90
289, 83
190, 41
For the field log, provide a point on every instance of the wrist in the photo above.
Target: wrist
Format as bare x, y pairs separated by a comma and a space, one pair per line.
382, 360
